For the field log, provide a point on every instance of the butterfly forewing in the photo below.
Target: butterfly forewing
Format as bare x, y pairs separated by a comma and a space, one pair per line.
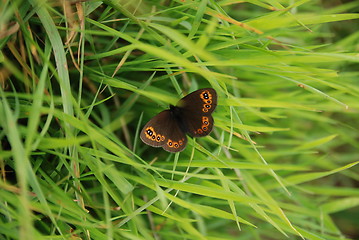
164, 131
202, 101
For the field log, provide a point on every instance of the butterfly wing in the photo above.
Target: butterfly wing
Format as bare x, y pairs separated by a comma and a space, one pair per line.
198, 125
196, 109
202, 101
163, 131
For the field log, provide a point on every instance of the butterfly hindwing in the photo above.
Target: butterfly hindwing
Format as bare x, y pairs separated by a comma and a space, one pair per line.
164, 131
198, 125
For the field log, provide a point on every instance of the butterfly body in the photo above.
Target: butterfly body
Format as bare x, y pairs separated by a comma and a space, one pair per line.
177, 114
191, 115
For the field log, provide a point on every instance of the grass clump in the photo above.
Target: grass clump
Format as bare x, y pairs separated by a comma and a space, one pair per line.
80, 79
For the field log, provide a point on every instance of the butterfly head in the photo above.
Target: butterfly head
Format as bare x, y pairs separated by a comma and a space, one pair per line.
175, 111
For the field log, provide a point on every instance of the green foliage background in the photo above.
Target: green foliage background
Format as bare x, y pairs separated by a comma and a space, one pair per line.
80, 79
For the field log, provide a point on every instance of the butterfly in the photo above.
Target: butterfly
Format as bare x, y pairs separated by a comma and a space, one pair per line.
191, 115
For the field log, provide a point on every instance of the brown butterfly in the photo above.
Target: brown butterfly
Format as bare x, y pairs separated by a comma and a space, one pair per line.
191, 115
